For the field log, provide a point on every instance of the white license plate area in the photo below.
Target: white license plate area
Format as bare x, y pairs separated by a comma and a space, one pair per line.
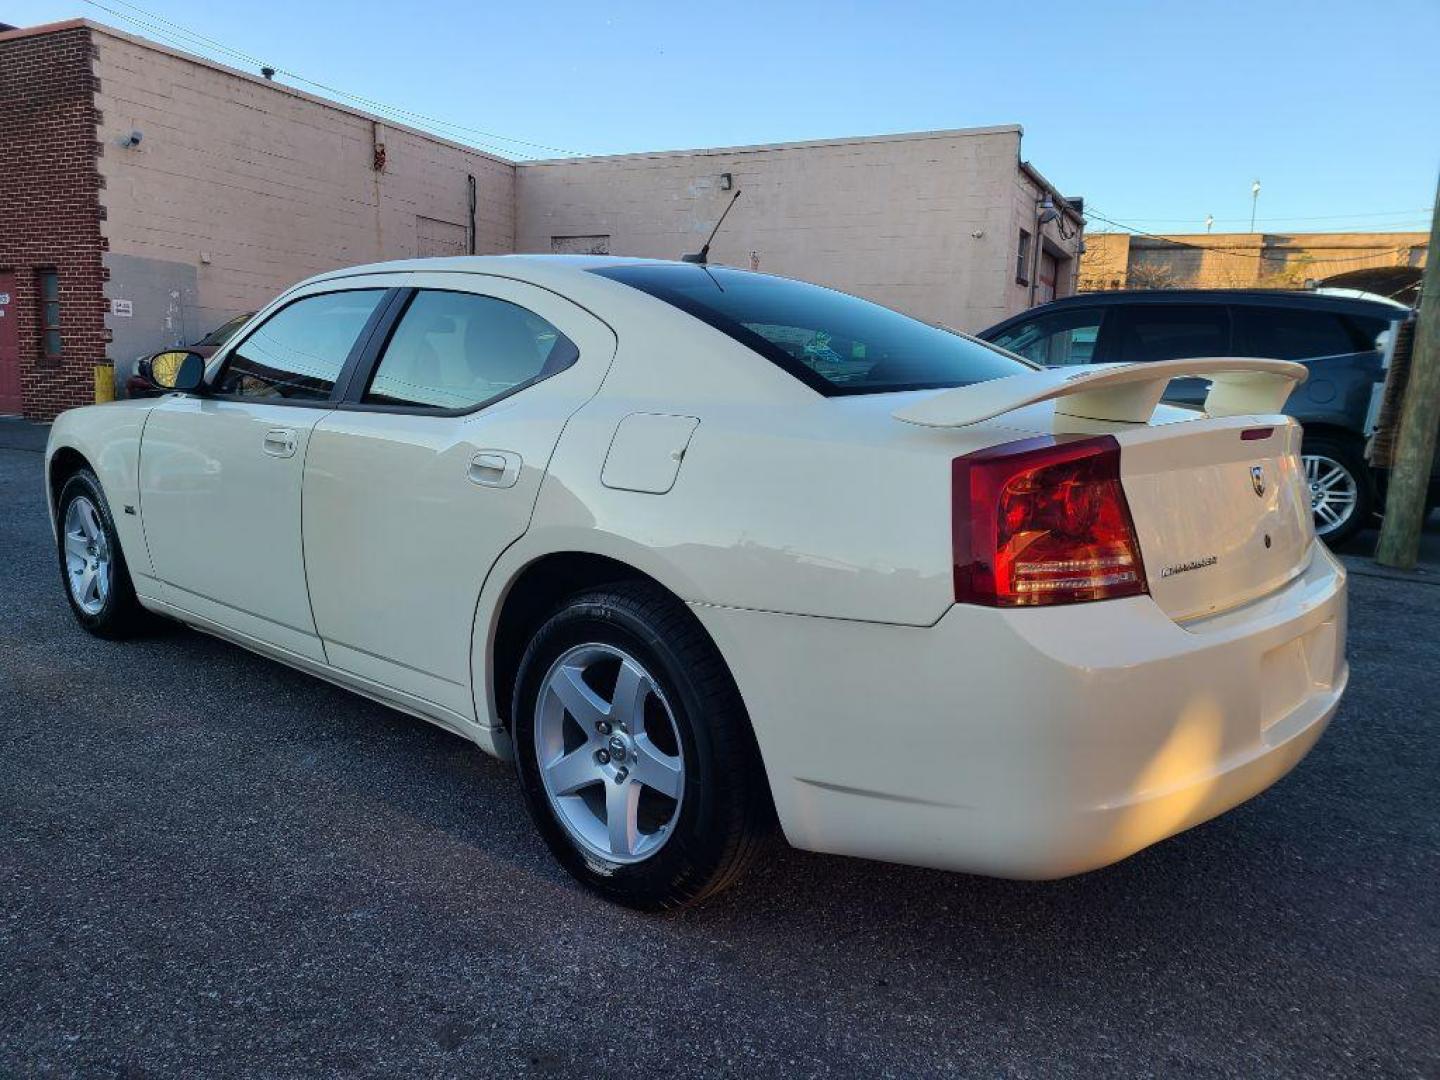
1296, 670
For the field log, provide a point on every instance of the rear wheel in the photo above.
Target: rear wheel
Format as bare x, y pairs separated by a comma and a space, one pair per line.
1341, 494
92, 566
634, 752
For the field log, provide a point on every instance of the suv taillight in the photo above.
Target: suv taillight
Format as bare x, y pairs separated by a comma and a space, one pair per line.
1043, 521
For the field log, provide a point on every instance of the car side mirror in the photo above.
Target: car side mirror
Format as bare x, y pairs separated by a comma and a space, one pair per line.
177, 369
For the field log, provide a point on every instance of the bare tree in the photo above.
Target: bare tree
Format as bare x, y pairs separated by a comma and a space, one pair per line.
1102, 266
1154, 276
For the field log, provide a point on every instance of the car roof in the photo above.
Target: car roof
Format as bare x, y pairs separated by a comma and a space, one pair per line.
1296, 298
538, 269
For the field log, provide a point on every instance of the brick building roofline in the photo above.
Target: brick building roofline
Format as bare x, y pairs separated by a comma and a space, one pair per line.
1044, 185
757, 148
44, 28
1377, 239
281, 88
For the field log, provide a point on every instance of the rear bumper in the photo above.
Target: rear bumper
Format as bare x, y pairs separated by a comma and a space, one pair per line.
1034, 744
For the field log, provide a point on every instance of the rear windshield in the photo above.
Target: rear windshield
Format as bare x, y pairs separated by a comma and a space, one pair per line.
832, 342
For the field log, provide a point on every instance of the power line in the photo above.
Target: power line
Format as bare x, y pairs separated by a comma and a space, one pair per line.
192, 40
197, 42
368, 102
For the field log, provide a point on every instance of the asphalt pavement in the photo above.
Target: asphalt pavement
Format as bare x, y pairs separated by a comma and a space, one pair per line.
213, 865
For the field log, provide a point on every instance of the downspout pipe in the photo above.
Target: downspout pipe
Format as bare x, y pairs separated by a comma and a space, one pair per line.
1038, 243
470, 184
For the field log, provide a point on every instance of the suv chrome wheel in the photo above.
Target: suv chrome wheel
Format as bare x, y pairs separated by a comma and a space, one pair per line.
88, 564
609, 753
1334, 492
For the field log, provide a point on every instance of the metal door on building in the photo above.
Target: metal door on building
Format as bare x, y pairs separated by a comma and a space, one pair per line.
9, 346
1049, 271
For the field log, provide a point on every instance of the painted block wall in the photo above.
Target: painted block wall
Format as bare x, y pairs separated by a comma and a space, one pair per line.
924, 223
244, 186
238, 187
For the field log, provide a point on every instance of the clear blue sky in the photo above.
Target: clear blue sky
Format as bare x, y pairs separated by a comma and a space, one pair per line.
1158, 113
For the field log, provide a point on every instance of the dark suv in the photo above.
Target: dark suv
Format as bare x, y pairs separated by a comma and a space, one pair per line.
1346, 343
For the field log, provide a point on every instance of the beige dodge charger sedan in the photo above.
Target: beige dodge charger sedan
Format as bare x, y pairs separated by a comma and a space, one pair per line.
703, 550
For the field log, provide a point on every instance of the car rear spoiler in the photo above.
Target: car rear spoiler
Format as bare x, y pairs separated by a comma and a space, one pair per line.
1125, 393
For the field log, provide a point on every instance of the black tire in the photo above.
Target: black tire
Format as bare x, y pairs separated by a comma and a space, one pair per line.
1350, 456
724, 812
120, 614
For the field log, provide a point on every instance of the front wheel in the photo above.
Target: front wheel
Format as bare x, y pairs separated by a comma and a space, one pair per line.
92, 566
634, 751
1338, 482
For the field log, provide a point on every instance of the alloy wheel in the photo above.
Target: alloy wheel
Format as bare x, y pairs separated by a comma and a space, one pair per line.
1334, 492
609, 753
88, 565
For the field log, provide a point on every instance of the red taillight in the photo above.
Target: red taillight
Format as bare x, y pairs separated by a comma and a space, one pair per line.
1043, 521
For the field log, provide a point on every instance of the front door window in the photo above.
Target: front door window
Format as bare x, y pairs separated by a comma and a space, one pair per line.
297, 354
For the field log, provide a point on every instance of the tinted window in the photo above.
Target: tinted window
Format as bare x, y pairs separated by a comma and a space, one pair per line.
835, 343
1056, 340
224, 332
457, 350
1171, 332
1290, 334
297, 353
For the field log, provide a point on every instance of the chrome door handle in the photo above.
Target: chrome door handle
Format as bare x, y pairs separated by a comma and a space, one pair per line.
279, 442
494, 468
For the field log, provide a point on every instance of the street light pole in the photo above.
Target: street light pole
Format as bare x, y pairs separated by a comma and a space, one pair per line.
1254, 199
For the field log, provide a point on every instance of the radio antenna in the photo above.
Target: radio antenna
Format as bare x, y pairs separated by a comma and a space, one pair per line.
703, 255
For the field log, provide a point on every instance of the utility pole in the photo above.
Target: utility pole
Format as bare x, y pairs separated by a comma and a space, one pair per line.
1408, 489
1254, 202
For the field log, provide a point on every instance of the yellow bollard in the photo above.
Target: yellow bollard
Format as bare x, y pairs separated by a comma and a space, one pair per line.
104, 383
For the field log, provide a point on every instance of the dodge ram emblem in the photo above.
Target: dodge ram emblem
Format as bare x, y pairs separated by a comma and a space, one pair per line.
1257, 479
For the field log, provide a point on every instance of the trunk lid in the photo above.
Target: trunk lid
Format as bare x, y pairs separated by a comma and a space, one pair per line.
1218, 500
1220, 506
1220, 510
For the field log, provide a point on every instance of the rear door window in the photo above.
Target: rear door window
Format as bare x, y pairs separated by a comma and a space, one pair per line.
1149, 332
457, 351
1295, 334
1059, 339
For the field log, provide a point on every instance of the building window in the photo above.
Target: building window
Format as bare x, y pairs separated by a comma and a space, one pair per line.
47, 285
1022, 259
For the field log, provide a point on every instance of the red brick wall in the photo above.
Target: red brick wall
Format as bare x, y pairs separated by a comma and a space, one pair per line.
50, 210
